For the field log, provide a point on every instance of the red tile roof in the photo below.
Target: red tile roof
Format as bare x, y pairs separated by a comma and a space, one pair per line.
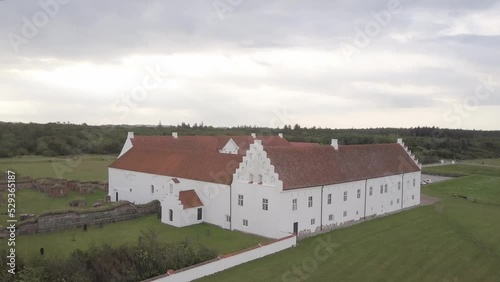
307, 166
204, 143
299, 165
302, 144
189, 199
196, 165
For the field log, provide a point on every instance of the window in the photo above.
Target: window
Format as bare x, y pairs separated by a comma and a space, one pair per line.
413, 197
310, 201
381, 189
345, 213
345, 196
240, 200
329, 200
359, 193
392, 202
265, 204
371, 191
413, 182
152, 189
397, 201
228, 218
245, 222
171, 188
200, 212
385, 188
330, 217
294, 204
313, 221
260, 178
171, 215
399, 185
250, 178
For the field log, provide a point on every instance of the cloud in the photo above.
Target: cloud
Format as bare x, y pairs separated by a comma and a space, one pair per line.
85, 63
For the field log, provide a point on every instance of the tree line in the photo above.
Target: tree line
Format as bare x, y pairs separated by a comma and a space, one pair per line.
430, 144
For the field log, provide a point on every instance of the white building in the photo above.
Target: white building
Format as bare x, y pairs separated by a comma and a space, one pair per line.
264, 185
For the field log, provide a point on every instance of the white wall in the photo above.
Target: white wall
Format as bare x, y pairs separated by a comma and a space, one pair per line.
255, 180
228, 261
230, 148
136, 187
411, 193
394, 198
304, 213
353, 206
128, 144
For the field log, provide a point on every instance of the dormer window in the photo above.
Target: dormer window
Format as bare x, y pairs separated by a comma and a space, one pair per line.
260, 178
250, 178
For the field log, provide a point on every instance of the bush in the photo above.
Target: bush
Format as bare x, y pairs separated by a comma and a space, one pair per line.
149, 258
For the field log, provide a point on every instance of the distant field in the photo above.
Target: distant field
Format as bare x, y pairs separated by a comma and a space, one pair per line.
462, 170
32, 201
83, 168
126, 232
493, 162
453, 240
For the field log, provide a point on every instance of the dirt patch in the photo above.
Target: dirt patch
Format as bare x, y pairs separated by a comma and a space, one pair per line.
426, 200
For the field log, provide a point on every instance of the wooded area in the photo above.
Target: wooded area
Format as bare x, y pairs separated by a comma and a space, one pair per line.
430, 144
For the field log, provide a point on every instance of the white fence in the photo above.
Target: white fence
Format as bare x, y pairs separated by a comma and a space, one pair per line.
227, 261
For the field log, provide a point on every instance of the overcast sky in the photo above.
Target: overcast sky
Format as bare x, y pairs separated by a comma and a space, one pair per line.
338, 64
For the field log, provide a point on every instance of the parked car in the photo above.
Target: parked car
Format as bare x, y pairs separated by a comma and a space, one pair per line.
428, 181
422, 182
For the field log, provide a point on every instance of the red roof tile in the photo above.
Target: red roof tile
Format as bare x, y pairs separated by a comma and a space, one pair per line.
302, 144
298, 165
204, 143
189, 199
307, 166
196, 165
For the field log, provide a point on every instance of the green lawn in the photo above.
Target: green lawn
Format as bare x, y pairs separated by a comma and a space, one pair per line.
82, 168
126, 232
32, 201
452, 240
493, 162
461, 170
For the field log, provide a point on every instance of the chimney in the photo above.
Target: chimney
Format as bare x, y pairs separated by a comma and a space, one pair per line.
257, 141
175, 135
400, 142
130, 135
335, 144
254, 135
280, 135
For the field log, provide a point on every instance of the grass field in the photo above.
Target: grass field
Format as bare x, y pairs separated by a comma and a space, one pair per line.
32, 201
493, 162
462, 170
453, 240
61, 244
83, 168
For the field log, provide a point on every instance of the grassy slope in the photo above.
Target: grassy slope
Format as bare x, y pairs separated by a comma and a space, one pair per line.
453, 240
126, 232
32, 201
86, 168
